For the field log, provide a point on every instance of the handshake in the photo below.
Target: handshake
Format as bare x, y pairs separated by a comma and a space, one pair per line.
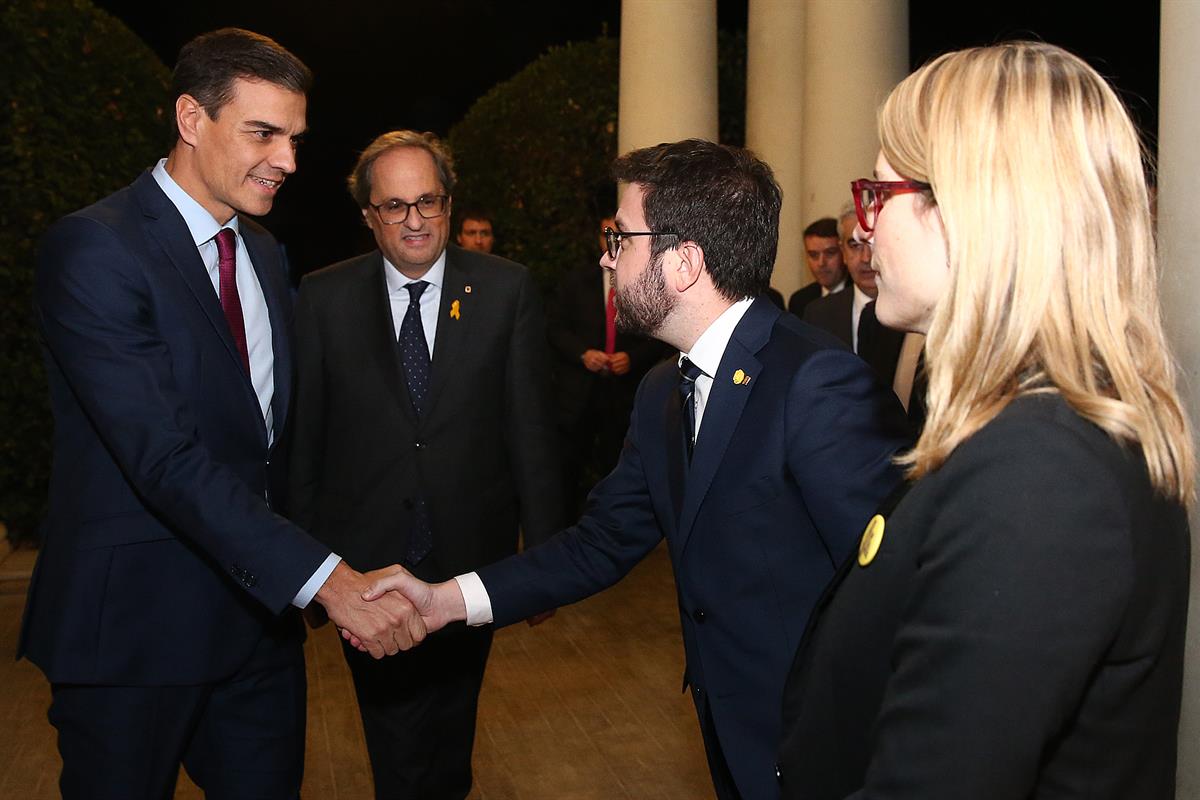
388, 610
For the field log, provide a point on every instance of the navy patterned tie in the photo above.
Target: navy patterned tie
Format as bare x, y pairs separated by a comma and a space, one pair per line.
688, 372
414, 350
414, 355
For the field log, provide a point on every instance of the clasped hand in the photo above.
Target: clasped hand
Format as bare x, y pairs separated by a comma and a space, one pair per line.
381, 626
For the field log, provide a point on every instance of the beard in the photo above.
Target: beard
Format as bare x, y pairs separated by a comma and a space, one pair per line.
644, 305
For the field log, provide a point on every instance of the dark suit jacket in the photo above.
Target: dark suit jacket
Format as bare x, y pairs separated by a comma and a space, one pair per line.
803, 296
575, 323
1019, 633
787, 468
483, 456
878, 346
162, 561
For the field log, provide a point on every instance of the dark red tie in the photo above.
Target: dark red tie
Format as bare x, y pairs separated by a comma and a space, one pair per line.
231, 304
610, 322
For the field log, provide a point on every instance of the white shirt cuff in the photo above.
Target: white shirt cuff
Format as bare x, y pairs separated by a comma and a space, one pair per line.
479, 605
309, 589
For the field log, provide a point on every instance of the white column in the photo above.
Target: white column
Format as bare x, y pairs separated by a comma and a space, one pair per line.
774, 112
668, 87
1179, 242
855, 51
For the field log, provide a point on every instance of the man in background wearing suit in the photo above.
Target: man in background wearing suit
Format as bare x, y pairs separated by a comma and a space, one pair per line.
759, 453
598, 370
473, 230
424, 434
850, 315
159, 607
823, 253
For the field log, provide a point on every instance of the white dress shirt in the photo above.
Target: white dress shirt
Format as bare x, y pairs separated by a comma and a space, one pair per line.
204, 228
706, 354
431, 298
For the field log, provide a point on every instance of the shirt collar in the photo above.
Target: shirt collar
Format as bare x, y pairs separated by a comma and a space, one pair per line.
834, 290
706, 353
435, 275
201, 224
861, 299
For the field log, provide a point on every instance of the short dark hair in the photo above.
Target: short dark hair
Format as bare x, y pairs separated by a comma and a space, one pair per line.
209, 64
476, 213
825, 228
359, 181
722, 198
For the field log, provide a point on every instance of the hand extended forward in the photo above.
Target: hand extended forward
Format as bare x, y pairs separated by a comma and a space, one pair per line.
437, 604
382, 626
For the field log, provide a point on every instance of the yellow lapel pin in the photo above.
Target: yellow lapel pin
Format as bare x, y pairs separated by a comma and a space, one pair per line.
454, 312
740, 378
871, 539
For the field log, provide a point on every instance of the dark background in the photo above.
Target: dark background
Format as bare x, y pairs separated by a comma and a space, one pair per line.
385, 65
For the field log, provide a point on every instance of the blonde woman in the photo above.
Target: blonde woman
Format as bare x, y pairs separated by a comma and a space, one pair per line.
1013, 625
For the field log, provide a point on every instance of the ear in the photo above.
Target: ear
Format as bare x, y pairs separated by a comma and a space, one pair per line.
686, 267
188, 113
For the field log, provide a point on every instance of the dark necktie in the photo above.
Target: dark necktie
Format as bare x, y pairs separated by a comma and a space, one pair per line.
414, 350
688, 372
867, 328
231, 303
414, 355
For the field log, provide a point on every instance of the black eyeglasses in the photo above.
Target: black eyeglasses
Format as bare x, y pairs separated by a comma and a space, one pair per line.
869, 197
395, 211
612, 239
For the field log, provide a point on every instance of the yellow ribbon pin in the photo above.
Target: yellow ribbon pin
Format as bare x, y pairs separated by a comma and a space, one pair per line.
740, 378
871, 539
454, 312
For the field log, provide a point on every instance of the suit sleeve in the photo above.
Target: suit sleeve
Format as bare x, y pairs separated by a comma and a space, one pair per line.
617, 530
843, 430
98, 321
1021, 584
562, 328
532, 436
308, 412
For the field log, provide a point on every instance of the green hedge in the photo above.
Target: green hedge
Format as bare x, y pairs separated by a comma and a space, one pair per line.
84, 110
536, 150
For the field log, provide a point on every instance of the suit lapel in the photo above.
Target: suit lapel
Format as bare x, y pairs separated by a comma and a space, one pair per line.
676, 450
266, 257
379, 331
455, 318
724, 406
168, 229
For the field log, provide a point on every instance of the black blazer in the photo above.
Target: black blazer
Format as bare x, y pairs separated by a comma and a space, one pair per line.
1019, 633
483, 456
879, 346
802, 297
790, 462
162, 561
575, 323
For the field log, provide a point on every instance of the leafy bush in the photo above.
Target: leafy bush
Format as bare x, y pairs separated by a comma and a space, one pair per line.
85, 109
536, 150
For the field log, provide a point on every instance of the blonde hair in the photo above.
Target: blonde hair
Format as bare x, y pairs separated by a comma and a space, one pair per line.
1037, 173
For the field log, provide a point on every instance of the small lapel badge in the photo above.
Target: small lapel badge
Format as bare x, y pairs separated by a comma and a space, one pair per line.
454, 312
467, 288
740, 378
871, 539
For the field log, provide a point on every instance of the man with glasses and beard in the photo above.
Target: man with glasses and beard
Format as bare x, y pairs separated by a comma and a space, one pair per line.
759, 453
424, 435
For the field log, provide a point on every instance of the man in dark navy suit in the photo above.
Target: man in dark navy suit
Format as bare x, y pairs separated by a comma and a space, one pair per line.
759, 453
162, 607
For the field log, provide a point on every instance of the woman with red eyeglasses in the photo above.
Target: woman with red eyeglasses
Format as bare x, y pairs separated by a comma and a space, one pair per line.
1013, 623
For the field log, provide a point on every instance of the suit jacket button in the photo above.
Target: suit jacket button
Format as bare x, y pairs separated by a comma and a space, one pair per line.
251, 580
698, 615
778, 773
696, 689
418, 445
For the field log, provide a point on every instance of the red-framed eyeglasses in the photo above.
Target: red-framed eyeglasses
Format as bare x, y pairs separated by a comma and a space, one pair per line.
869, 197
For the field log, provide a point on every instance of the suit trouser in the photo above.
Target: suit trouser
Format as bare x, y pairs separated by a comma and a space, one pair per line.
418, 710
718, 767
241, 738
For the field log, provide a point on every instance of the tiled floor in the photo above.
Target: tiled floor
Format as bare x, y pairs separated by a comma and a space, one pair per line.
586, 706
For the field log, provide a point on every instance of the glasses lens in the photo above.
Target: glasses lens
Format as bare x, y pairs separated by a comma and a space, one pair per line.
867, 203
431, 206
612, 242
